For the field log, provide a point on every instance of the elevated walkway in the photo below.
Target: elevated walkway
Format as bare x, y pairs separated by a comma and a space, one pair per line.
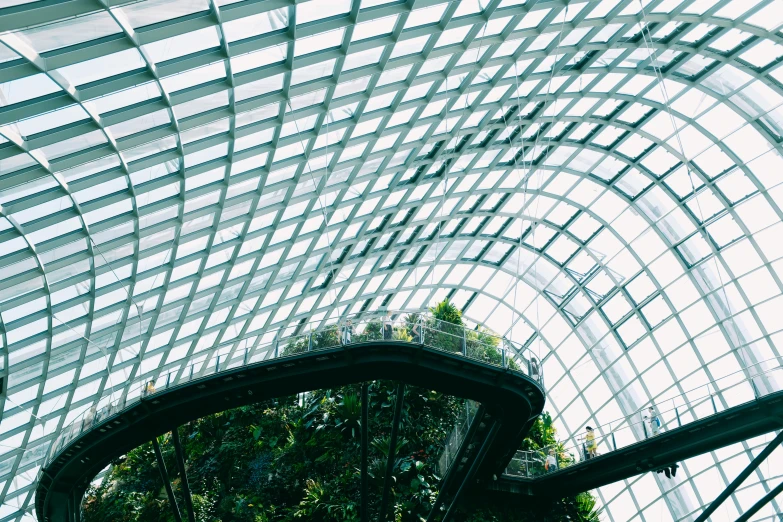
510, 401
730, 426
502, 379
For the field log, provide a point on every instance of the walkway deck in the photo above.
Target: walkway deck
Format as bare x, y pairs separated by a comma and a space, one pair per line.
727, 427
510, 398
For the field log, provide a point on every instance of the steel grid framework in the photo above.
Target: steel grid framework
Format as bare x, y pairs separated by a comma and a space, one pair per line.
599, 179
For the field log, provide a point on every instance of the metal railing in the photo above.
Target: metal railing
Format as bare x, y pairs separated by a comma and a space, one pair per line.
457, 436
734, 389
413, 328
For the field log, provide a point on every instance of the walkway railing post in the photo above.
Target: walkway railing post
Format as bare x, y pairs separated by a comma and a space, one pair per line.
310, 341
421, 328
244, 359
503, 351
217, 364
464, 343
677, 413
714, 407
614, 442
644, 428
277, 347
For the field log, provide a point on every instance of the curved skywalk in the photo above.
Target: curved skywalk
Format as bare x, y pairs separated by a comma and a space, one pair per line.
181, 178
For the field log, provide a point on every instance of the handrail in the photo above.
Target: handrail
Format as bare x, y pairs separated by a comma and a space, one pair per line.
415, 328
457, 436
710, 384
638, 426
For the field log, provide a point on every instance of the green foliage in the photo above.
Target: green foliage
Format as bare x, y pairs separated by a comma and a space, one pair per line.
281, 461
447, 312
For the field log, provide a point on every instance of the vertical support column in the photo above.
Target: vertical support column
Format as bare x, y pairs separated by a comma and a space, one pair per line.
166, 482
392, 451
183, 474
71, 510
364, 514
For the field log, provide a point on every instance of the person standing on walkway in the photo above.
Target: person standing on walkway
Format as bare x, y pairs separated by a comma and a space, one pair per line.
551, 462
387, 328
347, 332
592, 447
534, 372
653, 422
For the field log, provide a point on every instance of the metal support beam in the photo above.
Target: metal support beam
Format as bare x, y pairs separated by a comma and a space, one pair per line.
183, 474
473, 469
166, 482
365, 516
750, 468
392, 451
71, 511
477, 419
761, 503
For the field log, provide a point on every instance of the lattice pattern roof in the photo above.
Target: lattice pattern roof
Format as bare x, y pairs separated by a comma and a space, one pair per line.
598, 179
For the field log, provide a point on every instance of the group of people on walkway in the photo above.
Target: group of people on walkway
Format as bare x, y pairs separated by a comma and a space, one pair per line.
651, 425
387, 331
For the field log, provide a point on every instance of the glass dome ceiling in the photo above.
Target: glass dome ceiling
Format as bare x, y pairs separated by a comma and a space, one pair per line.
599, 179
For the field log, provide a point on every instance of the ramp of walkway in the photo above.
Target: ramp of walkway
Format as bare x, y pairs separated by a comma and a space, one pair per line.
757, 417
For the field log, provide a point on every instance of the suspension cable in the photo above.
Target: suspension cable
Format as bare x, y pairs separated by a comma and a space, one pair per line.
456, 144
686, 162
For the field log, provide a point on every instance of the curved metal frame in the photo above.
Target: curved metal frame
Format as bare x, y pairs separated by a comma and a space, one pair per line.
371, 264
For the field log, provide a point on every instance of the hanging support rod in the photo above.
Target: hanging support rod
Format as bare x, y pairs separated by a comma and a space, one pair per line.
166, 482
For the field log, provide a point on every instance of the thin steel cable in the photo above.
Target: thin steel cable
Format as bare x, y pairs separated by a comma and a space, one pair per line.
539, 173
315, 186
456, 144
524, 181
665, 94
